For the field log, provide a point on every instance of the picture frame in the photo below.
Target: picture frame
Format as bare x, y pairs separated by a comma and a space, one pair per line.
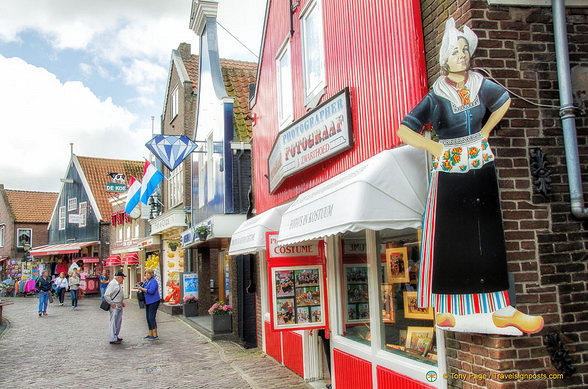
419, 339
388, 311
397, 264
411, 309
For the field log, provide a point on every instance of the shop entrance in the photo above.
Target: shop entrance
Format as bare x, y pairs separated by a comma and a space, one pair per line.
246, 290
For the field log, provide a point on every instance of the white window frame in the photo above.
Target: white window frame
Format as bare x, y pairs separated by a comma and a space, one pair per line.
18, 230
72, 204
62, 218
83, 209
175, 187
285, 96
136, 228
2, 234
119, 233
175, 102
313, 93
128, 231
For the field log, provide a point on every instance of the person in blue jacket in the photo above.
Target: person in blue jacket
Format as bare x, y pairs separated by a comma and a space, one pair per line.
44, 285
151, 290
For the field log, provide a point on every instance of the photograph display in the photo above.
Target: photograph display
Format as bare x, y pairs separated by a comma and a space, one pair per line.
356, 286
397, 262
419, 339
412, 310
298, 296
388, 303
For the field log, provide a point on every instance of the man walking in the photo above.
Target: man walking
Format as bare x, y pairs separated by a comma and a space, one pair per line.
114, 296
44, 288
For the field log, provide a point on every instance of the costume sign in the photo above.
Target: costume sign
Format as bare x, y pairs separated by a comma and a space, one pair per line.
297, 285
463, 272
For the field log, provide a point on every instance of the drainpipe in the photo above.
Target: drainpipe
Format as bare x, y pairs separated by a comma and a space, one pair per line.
566, 112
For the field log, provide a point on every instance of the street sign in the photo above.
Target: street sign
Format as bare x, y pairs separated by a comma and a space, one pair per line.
115, 187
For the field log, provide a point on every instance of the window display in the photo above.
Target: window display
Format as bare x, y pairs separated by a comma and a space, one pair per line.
298, 296
408, 329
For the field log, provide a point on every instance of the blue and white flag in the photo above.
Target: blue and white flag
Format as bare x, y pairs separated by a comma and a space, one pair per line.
151, 178
133, 195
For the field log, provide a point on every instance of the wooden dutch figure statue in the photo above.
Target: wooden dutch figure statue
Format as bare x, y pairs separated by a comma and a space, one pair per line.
463, 271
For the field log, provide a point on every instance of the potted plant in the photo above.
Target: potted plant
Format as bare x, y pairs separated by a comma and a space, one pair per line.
221, 317
190, 306
202, 231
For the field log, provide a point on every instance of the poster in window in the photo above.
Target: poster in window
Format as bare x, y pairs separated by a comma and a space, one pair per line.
419, 339
356, 287
299, 296
388, 303
412, 310
397, 263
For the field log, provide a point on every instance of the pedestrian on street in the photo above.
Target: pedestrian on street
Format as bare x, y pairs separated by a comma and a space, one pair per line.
114, 296
74, 286
103, 284
61, 284
151, 290
44, 288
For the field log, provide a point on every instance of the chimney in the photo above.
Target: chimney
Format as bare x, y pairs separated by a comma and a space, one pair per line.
201, 10
185, 50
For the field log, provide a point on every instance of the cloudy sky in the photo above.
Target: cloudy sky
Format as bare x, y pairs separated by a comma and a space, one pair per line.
93, 73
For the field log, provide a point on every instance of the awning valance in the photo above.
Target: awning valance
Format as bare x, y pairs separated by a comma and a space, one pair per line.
130, 259
249, 237
113, 260
55, 249
90, 259
385, 191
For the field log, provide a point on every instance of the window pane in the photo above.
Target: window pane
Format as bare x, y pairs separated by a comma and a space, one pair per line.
313, 53
285, 85
408, 329
355, 307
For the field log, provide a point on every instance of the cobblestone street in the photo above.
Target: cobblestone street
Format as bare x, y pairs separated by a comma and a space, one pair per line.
70, 349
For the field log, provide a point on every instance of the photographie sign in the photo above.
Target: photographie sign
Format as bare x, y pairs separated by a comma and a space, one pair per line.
115, 187
320, 134
74, 218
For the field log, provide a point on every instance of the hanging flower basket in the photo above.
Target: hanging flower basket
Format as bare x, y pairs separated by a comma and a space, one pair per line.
202, 231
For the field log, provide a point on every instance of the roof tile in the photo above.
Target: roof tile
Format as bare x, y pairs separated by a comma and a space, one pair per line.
31, 207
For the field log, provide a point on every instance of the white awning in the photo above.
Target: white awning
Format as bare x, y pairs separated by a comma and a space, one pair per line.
386, 191
250, 236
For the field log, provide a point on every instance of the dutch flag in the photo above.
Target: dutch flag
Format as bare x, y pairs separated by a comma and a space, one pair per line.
133, 195
151, 178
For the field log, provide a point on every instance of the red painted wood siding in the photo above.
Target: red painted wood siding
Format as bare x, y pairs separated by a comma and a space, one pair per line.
387, 379
293, 358
350, 371
376, 49
273, 342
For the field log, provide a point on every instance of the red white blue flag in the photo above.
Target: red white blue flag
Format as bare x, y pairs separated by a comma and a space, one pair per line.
133, 195
151, 178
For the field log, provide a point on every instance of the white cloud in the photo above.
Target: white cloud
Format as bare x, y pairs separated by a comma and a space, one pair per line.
46, 115
144, 76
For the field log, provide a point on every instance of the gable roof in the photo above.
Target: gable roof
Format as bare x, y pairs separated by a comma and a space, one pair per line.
95, 174
31, 207
237, 76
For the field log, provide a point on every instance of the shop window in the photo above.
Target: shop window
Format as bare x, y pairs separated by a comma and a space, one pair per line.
62, 218
2, 231
83, 210
72, 204
284, 82
407, 329
201, 177
175, 186
24, 237
355, 307
313, 53
175, 102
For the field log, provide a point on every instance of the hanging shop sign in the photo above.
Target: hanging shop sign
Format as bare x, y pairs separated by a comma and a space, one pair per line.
322, 133
297, 285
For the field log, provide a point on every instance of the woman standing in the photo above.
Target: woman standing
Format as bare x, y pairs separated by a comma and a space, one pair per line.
44, 288
61, 285
74, 286
151, 290
463, 256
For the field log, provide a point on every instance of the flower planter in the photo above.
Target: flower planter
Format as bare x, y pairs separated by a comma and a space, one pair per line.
221, 323
191, 309
202, 236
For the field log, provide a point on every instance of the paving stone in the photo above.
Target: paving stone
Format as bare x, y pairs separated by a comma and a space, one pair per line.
70, 349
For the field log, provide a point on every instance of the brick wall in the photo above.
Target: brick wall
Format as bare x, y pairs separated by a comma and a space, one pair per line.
546, 245
7, 219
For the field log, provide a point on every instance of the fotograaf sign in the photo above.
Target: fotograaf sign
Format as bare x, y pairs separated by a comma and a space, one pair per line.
320, 134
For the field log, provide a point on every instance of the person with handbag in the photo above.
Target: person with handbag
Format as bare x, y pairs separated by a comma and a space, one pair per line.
74, 287
150, 290
44, 288
114, 296
61, 284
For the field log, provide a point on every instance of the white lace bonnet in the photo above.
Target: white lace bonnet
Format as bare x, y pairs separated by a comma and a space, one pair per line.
450, 37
